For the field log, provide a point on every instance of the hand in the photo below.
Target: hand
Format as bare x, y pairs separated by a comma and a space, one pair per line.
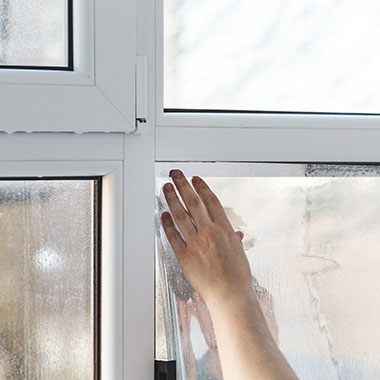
209, 252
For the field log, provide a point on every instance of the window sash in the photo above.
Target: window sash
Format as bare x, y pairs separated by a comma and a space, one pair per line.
126, 165
128, 160
98, 96
247, 120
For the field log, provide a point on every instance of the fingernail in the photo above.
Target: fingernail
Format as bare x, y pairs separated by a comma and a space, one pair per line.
196, 179
175, 173
168, 187
165, 215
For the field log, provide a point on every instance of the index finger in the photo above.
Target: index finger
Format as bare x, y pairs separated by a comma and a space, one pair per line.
211, 203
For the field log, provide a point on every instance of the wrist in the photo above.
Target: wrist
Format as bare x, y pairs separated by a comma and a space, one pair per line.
232, 299
241, 308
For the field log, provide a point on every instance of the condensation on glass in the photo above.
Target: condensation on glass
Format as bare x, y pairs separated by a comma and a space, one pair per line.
272, 55
312, 237
47, 270
34, 33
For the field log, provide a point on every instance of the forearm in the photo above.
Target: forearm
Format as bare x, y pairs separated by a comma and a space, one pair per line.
246, 347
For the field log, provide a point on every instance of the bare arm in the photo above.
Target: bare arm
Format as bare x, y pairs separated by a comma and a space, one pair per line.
213, 260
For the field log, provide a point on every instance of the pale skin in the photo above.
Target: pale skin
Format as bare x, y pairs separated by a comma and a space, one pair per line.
213, 260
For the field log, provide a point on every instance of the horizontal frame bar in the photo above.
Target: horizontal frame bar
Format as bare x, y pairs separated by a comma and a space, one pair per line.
54, 146
269, 120
266, 145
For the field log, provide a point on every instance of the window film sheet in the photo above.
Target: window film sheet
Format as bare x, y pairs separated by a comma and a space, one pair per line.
272, 55
47, 280
312, 240
34, 33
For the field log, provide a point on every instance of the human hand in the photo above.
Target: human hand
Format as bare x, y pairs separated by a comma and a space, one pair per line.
209, 252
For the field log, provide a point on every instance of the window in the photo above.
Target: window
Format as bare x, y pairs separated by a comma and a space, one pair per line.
248, 93
97, 94
125, 247
50, 298
36, 34
78, 124
311, 237
271, 56
257, 64
82, 123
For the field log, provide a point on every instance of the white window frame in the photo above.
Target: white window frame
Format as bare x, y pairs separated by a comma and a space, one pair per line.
258, 137
98, 96
244, 120
111, 258
127, 350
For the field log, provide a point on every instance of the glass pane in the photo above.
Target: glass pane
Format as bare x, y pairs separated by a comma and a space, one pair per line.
47, 279
34, 33
272, 55
312, 237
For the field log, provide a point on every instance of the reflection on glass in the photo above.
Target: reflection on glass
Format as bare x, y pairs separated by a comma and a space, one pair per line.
272, 55
46, 280
33, 32
312, 239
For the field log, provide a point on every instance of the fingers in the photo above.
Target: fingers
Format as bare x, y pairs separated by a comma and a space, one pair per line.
174, 237
180, 215
211, 203
203, 205
190, 198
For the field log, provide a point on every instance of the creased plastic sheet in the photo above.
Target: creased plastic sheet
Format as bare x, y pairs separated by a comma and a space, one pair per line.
312, 240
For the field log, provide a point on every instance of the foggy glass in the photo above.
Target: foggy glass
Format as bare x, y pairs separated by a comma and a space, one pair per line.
33, 32
272, 55
46, 280
313, 243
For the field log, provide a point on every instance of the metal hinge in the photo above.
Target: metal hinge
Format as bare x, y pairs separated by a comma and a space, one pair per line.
165, 370
141, 95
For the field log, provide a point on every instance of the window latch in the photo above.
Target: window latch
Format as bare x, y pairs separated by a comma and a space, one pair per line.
165, 370
141, 95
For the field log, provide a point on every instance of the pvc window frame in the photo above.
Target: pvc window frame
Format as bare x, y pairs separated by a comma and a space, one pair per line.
99, 95
266, 137
58, 123
254, 120
127, 229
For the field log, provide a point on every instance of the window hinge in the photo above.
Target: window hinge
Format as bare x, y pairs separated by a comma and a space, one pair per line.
141, 95
165, 370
